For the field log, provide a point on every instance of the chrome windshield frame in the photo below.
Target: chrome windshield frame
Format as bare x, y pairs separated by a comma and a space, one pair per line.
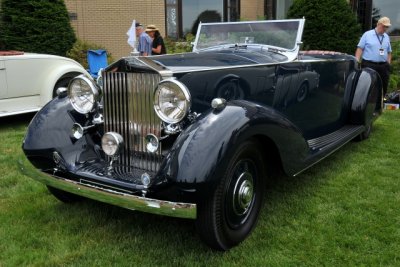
271, 35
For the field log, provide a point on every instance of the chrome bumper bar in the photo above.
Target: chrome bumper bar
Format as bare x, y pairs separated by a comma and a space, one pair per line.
155, 206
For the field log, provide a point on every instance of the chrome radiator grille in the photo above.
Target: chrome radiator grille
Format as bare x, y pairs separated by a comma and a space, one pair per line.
128, 110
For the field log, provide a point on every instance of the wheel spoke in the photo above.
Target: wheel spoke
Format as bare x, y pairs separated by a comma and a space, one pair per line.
240, 195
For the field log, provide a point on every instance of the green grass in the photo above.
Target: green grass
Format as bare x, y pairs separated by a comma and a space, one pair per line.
342, 212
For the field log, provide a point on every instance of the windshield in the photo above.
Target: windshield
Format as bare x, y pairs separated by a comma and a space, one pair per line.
284, 34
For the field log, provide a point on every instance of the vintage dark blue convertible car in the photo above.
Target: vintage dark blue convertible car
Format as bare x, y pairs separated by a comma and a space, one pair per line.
195, 135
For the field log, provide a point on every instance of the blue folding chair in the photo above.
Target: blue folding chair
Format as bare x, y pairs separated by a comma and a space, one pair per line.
97, 59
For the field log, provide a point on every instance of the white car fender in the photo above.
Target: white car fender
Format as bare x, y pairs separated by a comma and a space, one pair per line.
69, 68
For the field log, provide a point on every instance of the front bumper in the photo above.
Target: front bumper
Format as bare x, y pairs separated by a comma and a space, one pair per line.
133, 202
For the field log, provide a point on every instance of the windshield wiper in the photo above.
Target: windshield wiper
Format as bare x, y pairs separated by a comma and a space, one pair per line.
237, 46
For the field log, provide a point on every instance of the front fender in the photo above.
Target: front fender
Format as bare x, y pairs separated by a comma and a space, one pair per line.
50, 130
203, 146
58, 71
367, 99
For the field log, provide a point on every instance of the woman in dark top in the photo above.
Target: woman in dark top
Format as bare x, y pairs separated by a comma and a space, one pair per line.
158, 41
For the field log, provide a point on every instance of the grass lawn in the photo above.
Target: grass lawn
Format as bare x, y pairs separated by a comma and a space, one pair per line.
345, 211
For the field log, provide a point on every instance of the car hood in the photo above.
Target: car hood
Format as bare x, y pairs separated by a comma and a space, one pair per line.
27, 55
222, 58
195, 61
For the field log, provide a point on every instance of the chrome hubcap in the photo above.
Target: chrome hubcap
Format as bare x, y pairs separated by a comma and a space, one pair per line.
243, 193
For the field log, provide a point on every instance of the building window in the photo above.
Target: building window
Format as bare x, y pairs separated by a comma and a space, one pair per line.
172, 21
233, 10
184, 16
73, 15
282, 7
270, 9
364, 12
387, 8
277, 9
369, 12
196, 11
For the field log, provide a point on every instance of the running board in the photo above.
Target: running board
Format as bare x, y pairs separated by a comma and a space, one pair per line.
343, 135
325, 145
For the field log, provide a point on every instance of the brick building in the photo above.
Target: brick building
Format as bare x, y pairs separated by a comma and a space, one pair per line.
106, 22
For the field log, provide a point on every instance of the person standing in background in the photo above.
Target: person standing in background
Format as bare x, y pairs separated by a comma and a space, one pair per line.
374, 51
145, 42
158, 47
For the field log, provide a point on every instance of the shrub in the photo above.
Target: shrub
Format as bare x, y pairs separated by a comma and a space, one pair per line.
36, 26
180, 46
79, 52
330, 24
394, 82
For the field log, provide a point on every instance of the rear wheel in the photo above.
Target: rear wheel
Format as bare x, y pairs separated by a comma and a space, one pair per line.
229, 215
231, 90
64, 196
302, 92
365, 135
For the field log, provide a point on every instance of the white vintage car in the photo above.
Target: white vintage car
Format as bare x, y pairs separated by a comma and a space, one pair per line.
28, 81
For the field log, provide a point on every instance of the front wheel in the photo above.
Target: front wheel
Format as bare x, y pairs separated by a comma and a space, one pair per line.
229, 215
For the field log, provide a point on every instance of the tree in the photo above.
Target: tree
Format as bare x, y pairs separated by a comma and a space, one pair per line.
330, 24
206, 16
40, 26
394, 82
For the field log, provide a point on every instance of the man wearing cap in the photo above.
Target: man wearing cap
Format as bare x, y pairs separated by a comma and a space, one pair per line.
374, 50
145, 42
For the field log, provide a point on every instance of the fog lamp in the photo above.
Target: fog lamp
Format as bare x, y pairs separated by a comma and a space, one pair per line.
77, 131
112, 143
152, 143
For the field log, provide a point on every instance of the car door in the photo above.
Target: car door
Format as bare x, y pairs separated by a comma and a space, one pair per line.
23, 76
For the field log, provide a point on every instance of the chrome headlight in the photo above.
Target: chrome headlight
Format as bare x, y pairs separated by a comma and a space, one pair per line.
83, 94
171, 101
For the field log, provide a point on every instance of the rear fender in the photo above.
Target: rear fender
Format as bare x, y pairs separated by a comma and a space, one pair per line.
367, 99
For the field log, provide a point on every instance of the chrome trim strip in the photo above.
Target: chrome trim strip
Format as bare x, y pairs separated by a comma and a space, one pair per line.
128, 201
162, 70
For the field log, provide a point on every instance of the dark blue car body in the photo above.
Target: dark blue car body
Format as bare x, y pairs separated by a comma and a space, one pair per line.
251, 110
